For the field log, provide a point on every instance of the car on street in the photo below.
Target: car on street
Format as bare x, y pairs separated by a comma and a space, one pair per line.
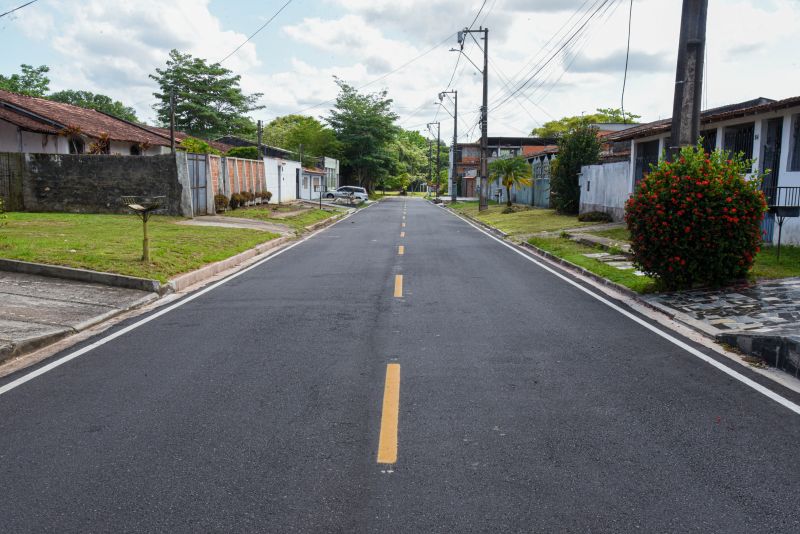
347, 191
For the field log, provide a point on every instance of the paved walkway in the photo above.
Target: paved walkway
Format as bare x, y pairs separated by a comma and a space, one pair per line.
237, 222
35, 310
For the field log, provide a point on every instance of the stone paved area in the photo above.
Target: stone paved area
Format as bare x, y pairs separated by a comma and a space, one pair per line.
37, 309
238, 222
768, 307
620, 261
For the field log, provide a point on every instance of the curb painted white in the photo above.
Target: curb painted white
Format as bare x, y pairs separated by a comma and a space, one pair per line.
786, 403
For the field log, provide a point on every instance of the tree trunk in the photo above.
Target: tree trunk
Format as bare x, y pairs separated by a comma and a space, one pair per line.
508, 198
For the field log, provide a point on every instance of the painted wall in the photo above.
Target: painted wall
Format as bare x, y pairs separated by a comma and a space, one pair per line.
281, 178
605, 188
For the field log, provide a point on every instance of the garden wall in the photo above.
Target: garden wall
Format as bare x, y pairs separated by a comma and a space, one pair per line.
94, 183
605, 188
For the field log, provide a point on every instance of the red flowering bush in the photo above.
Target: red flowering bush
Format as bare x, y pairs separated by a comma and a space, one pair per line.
696, 220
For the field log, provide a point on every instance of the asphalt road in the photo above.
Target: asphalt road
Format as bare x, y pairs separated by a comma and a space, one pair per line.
525, 405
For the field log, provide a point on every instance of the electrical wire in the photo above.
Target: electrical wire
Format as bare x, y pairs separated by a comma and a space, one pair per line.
26, 5
258, 30
627, 54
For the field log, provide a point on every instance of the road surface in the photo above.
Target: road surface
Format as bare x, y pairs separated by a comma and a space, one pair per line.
349, 385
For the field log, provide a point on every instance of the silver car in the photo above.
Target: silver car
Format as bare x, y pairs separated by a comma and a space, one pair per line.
349, 191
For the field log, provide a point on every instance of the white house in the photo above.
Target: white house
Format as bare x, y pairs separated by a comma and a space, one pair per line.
327, 175
767, 131
283, 177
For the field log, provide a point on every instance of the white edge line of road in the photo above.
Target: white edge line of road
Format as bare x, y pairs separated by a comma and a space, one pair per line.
669, 337
100, 342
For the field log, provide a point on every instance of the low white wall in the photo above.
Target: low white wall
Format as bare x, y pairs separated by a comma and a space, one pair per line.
286, 190
605, 188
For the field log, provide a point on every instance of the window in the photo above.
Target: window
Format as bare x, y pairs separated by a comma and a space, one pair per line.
76, 145
794, 144
739, 138
709, 140
136, 150
646, 153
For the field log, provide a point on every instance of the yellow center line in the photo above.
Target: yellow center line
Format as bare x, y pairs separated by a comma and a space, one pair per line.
387, 444
402, 234
403, 225
401, 250
398, 285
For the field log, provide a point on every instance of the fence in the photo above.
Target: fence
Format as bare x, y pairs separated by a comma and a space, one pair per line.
605, 188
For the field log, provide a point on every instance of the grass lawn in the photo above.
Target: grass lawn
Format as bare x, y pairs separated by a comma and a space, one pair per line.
574, 253
113, 243
297, 222
526, 221
765, 267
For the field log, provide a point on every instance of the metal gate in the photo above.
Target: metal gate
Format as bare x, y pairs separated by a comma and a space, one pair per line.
771, 161
10, 181
198, 177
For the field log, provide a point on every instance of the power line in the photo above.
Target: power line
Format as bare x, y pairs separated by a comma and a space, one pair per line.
20, 7
478, 14
256, 32
627, 54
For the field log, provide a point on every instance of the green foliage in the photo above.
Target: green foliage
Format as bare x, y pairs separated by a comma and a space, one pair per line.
89, 100
510, 172
221, 202
198, 146
208, 100
559, 127
696, 220
3, 215
576, 148
364, 125
595, 216
236, 201
291, 131
31, 81
246, 152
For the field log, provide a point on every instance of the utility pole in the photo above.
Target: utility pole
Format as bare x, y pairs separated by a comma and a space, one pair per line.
689, 76
483, 204
438, 156
260, 138
172, 119
430, 160
454, 157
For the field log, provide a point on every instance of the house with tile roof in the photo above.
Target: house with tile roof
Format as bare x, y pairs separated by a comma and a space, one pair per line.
766, 131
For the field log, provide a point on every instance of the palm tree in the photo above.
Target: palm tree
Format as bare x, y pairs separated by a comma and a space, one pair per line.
510, 171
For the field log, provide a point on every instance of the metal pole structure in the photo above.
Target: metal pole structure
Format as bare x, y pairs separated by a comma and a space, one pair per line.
430, 163
438, 158
260, 138
172, 119
484, 202
689, 76
454, 157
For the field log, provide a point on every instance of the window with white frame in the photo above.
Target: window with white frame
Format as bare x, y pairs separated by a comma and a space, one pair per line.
794, 144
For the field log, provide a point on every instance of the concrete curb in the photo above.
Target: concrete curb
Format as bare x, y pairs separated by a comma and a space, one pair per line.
30, 344
80, 275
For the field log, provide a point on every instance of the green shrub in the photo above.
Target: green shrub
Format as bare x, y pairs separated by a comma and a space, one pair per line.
576, 148
2, 213
246, 152
267, 195
236, 201
221, 202
198, 146
696, 220
595, 216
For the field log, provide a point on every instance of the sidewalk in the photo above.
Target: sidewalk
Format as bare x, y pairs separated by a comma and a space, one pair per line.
37, 310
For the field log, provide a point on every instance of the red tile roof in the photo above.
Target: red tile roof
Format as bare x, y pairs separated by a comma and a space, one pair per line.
26, 123
91, 123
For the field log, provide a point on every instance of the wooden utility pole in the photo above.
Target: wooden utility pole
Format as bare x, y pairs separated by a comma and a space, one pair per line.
454, 157
438, 154
483, 203
689, 76
172, 119
430, 161
260, 139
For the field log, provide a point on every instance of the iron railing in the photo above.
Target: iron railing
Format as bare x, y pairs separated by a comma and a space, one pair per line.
783, 197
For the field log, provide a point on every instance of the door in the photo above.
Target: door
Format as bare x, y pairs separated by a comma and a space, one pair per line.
771, 161
297, 184
198, 177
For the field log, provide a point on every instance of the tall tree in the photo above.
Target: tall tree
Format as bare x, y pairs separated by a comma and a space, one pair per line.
291, 131
578, 147
100, 102
208, 100
364, 125
510, 172
31, 81
559, 127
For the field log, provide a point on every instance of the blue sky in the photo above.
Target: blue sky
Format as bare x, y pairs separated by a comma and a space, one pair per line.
111, 47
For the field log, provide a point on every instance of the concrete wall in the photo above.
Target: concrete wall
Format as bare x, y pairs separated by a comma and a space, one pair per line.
605, 188
94, 184
281, 183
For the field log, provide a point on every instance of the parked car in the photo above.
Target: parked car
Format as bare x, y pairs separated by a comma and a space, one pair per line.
348, 191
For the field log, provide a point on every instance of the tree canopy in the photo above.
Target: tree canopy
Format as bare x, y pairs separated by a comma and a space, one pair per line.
364, 125
510, 172
559, 127
31, 81
578, 147
208, 100
100, 102
291, 131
